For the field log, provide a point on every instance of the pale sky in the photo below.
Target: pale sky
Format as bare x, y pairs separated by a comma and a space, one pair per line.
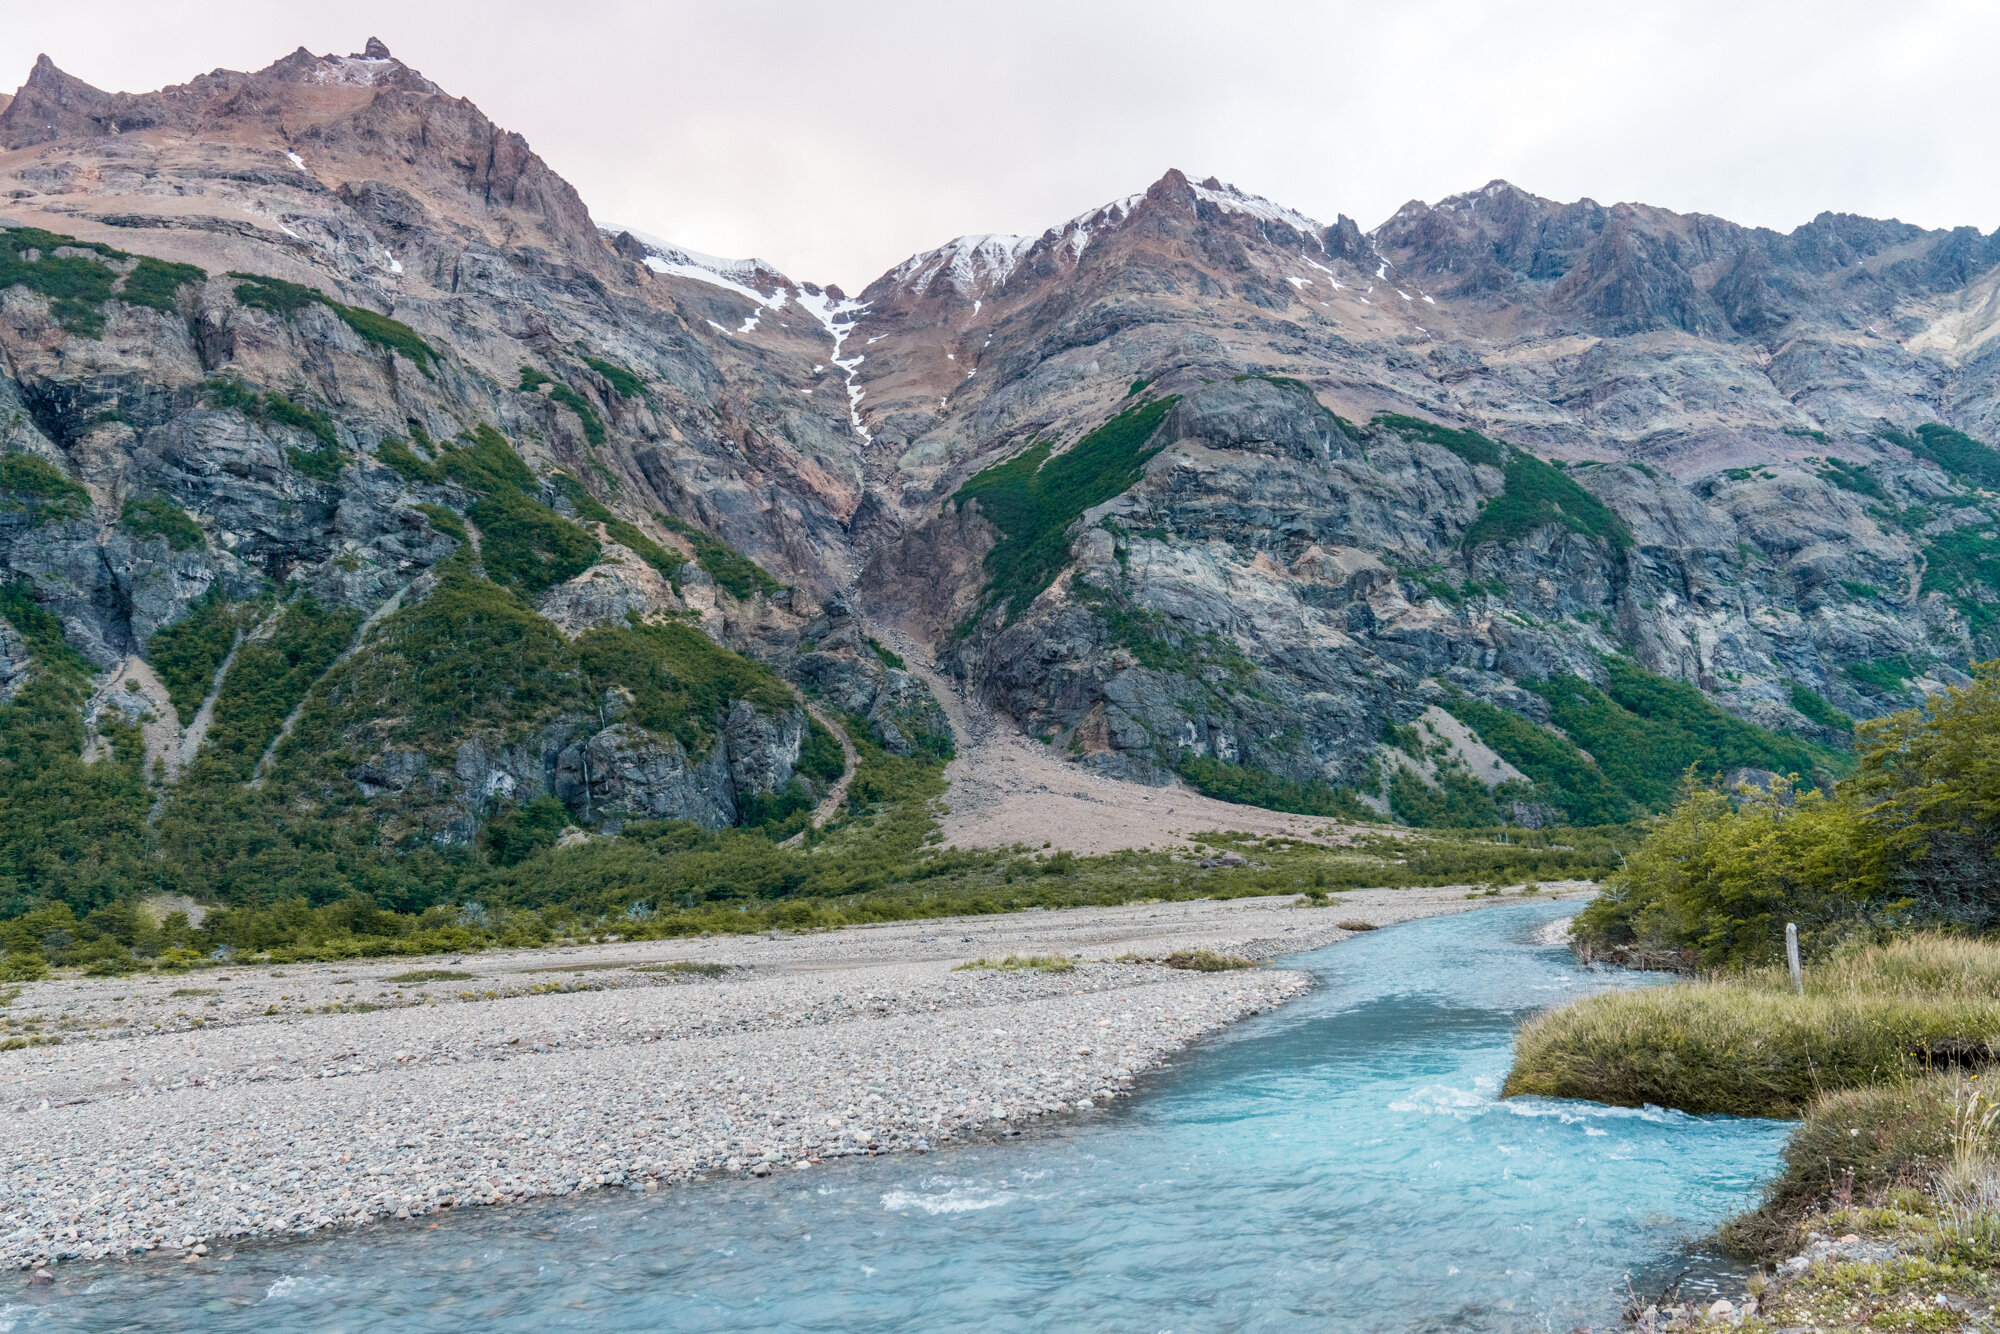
834, 138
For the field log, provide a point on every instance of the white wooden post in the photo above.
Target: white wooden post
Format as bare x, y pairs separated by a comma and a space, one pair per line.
1792, 957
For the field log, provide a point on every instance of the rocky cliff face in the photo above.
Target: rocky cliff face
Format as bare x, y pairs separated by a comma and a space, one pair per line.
262, 335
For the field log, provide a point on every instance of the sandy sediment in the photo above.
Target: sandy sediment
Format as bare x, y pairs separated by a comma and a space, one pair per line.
298, 1104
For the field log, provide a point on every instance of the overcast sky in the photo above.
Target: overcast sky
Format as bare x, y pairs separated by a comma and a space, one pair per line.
834, 138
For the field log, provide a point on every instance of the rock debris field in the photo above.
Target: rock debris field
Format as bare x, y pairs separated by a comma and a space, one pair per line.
314, 1096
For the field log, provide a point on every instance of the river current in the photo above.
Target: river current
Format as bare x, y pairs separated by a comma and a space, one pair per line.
1341, 1163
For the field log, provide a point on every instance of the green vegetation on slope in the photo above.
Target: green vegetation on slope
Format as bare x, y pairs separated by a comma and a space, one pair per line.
31, 486
288, 298
1538, 495
1247, 785
156, 516
186, 655
264, 684
1908, 837
78, 284
323, 463
1645, 731
730, 568
1564, 777
68, 829
1033, 499
527, 546
1953, 450
623, 382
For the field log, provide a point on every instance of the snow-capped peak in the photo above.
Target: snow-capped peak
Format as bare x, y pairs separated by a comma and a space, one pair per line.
975, 266
1232, 200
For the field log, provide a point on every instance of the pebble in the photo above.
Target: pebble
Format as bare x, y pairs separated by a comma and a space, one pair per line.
833, 1045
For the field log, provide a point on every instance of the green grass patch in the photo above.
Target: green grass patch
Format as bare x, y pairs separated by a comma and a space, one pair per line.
321, 463
1033, 499
593, 425
1964, 565
156, 516
1814, 706
395, 452
30, 485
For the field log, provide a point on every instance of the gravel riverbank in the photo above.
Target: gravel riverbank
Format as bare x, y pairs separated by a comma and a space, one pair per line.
177, 1112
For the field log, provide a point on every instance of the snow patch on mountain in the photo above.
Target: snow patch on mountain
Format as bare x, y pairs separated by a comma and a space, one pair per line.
1232, 200
974, 266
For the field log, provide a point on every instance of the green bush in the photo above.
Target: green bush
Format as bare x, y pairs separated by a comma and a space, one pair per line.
528, 547
1033, 499
820, 756
322, 463
77, 286
1247, 785
624, 382
734, 571
266, 682
288, 299
1563, 776
156, 516
515, 834
31, 486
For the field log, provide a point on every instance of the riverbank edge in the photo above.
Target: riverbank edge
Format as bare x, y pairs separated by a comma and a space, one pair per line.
1318, 928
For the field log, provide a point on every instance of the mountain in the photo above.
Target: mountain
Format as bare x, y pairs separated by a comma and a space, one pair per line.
353, 478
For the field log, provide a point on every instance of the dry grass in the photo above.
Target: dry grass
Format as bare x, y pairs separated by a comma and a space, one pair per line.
1018, 963
1207, 961
1748, 1046
1356, 924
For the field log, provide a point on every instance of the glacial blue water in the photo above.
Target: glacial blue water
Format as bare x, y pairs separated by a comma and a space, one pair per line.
1341, 1163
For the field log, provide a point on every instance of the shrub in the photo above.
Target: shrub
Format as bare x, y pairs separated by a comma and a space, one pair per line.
396, 453
1248, 785
734, 571
1207, 961
515, 834
1708, 1047
593, 425
1537, 496
30, 485
1814, 706
431, 975
1356, 924
1468, 445
156, 516
528, 547
1019, 963
287, 299
186, 654
623, 382
266, 682
1032, 499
